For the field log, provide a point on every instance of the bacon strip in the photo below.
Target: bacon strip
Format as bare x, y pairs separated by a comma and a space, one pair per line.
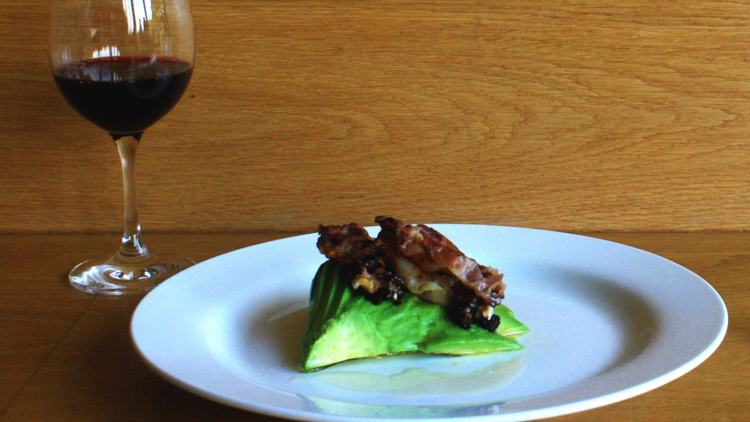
346, 244
422, 260
432, 252
351, 244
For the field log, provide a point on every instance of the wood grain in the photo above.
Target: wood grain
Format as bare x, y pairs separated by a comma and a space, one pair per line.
67, 362
585, 115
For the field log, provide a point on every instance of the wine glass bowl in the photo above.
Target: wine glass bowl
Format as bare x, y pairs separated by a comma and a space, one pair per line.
123, 95
123, 65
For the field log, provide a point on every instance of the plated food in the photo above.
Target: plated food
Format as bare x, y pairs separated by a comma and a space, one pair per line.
410, 289
602, 331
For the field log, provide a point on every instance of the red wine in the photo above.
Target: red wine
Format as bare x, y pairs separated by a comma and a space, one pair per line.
124, 95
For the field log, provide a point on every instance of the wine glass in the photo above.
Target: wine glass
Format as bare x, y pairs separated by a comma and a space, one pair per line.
123, 65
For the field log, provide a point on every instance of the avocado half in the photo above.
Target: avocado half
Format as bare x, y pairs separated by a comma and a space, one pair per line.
344, 325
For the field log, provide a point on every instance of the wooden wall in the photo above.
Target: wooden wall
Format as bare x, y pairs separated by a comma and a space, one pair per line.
568, 115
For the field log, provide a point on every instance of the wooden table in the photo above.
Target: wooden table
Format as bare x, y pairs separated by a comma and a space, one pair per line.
68, 357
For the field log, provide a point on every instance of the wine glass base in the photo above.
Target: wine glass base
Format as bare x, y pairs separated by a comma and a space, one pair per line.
106, 276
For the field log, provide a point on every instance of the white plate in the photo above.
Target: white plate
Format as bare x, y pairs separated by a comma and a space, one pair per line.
608, 322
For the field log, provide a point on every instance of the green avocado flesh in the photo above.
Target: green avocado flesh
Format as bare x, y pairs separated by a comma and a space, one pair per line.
344, 325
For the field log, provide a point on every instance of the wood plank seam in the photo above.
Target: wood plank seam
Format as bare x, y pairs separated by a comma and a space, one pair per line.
46, 358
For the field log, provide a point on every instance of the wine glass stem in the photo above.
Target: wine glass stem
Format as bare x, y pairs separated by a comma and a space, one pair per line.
132, 246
